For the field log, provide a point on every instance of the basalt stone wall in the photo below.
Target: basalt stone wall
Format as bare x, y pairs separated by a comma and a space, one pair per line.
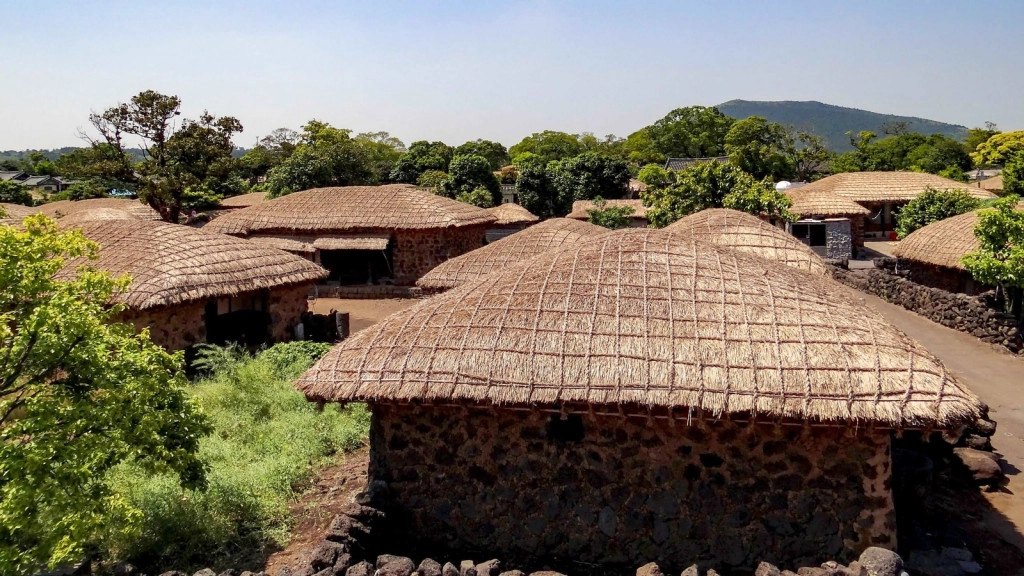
172, 327
857, 229
530, 488
838, 240
975, 315
286, 306
417, 252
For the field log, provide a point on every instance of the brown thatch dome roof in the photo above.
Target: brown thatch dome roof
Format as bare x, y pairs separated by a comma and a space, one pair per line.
352, 208
79, 217
639, 319
511, 213
15, 213
747, 233
63, 208
880, 187
580, 207
823, 203
941, 243
244, 200
170, 263
993, 184
509, 250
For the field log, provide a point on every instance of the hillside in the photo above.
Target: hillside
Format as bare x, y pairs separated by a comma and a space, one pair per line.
832, 122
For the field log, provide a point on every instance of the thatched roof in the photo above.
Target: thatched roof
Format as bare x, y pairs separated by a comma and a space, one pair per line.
79, 217
941, 243
509, 250
350, 209
15, 213
639, 319
170, 263
993, 184
63, 208
880, 187
511, 213
580, 207
822, 203
746, 233
244, 200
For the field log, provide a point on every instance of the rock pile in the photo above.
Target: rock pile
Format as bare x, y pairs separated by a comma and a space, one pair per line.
974, 450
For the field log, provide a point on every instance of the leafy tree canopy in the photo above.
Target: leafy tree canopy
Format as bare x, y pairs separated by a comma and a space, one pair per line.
586, 177
14, 193
495, 153
420, 157
761, 148
639, 148
931, 206
999, 149
691, 132
1013, 176
549, 145
978, 136
1000, 259
466, 175
655, 175
480, 197
325, 156
79, 394
536, 191
903, 151
382, 151
432, 179
611, 217
713, 185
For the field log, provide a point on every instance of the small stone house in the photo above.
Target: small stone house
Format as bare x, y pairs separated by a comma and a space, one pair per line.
884, 193
389, 234
638, 219
639, 397
931, 254
831, 225
535, 240
191, 286
509, 219
746, 233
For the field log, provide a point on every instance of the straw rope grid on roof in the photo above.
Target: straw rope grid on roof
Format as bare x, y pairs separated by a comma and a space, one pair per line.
645, 318
79, 217
286, 244
513, 248
823, 203
580, 207
747, 233
243, 200
67, 207
170, 264
880, 187
511, 213
349, 209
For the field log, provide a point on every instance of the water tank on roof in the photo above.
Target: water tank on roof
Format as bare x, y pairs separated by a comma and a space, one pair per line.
783, 185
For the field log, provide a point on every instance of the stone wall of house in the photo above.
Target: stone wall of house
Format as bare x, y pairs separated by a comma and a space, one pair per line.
610, 491
975, 315
173, 327
286, 306
838, 240
416, 252
857, 228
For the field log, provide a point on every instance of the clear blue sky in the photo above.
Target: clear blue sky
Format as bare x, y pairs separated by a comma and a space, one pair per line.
460, 70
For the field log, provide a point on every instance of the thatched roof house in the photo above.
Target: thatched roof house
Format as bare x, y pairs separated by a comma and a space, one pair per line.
63, 208
191, 286
833, 226
636, 391
993, 184
364, 234
243, 200
638, 217
822, 204
80, 217
747, 233
510, 250
882, 193
509, 219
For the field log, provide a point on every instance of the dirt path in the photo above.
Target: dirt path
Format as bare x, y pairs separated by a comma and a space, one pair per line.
362, 313
998, 378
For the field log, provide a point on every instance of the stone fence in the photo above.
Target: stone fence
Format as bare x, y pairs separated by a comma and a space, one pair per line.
974, 315
365, 291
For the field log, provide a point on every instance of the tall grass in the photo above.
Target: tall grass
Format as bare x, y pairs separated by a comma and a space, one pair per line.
267, 443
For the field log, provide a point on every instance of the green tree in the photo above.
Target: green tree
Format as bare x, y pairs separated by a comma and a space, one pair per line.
938, 153
496, 154
761, 148
325, 156
432, 179
931, 206
653, 175
978, 136
537, 192
420, 157
1013, 176
611, 217
999, 261
811, 157
691, 132
269, 152
84, 190
550, 145
713, 185
588, 176
79, 394
639, 149
953, 173
998, 149
382, 151
468, 173
197, 152
525, 160
14, 193
480, 197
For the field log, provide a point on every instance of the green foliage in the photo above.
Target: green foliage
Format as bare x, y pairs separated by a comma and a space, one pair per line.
84, 190
978, 136
761, 148
325, 156
586, 177
953, 173
931, 206
549, 145
467, 174
508, 174
79, 395
480, 197
496, 154
14, 193
422, 156
904, 151
999, 149
655, 176
611, 217
691, 132
432, 179
536, 191
811, 157
200, 197
1013, 176
526, 160
1000, 259
267, 441
713, 185
382, 152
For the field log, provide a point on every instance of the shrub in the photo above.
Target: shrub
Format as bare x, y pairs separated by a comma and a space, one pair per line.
612, 217
931, 206
267, 442
480, 197
432, 179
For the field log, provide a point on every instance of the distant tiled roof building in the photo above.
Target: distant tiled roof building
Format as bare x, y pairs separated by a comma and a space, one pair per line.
680, 163
15, 175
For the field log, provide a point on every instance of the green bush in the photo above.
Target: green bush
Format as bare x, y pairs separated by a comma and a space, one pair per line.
267, 443
931, 206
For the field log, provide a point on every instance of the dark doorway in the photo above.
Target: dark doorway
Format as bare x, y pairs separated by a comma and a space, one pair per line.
357, 266
242, 319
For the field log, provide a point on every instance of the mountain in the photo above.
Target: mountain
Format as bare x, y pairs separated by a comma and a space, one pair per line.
833, 122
